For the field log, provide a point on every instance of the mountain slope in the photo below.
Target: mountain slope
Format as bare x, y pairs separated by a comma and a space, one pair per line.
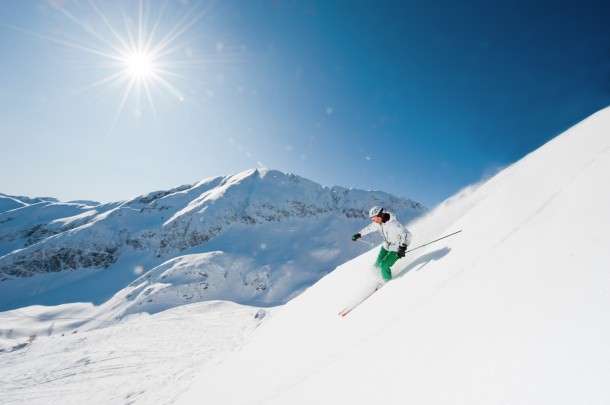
512, 310
277, 234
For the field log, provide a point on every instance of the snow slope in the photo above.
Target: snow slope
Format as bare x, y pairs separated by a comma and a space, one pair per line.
513, 310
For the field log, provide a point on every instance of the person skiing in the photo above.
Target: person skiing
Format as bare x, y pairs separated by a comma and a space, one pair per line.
396, 239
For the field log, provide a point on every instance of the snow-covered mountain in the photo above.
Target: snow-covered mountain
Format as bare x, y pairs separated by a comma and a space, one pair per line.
512, 310
260, 236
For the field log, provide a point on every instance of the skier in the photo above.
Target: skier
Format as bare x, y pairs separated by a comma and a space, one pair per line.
396, 239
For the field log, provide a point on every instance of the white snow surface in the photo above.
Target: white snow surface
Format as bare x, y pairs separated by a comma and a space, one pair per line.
512, 310
144, 359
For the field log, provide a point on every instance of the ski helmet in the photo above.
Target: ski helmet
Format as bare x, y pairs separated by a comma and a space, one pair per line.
375, 211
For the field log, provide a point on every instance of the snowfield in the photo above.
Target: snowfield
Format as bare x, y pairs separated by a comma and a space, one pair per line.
146, 359
512, 310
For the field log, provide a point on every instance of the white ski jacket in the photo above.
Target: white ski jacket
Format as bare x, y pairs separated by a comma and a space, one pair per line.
393, 233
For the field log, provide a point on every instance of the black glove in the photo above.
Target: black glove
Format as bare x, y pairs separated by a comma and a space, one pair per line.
402, 249
356, 237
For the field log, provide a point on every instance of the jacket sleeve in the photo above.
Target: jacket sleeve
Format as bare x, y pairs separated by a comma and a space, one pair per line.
407, 237
372, 227
403, 235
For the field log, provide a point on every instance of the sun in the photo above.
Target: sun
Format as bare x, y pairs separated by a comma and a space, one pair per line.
142, 52
140, 65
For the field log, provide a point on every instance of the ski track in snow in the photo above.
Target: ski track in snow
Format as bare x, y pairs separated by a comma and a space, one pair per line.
143, 360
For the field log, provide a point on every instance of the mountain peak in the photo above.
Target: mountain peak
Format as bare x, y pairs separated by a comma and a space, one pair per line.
271, 222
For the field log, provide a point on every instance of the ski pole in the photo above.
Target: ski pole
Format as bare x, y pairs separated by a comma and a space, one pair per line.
368, 243
435, 240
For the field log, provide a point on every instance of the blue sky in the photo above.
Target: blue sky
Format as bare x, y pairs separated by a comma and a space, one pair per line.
106, 100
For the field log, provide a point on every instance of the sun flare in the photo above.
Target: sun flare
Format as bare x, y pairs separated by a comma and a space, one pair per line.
144, 52
139, 65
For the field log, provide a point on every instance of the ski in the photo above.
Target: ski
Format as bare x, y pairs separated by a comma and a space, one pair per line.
354, 305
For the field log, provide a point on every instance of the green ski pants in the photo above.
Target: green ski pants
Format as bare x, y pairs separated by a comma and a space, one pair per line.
385, 260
